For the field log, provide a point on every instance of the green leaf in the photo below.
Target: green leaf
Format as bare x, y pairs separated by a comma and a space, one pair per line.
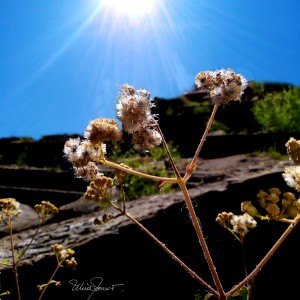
20, 254
208, 296
242, 294
5, 262
7, 293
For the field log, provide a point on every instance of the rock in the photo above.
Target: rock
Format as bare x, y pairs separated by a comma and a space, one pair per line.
27, 219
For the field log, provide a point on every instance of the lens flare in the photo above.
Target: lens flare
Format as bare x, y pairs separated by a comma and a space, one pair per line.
134, 10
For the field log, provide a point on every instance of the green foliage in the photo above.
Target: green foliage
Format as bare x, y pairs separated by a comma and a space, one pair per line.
219, 126
242, 294
22, 158
279, 112
154, 162
203, 107
271, 152
23, 140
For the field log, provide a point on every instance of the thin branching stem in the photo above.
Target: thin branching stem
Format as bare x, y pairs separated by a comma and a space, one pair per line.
14, 263
168, 251
50, 280
197, 226
168, 151
193, 165
133, 172
30, 243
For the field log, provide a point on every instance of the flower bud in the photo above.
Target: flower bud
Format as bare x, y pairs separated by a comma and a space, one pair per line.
248, 208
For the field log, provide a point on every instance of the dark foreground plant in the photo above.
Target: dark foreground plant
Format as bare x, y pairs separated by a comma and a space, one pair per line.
10, 210
134, 112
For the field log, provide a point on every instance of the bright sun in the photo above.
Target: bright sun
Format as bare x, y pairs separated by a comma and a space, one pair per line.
133, 9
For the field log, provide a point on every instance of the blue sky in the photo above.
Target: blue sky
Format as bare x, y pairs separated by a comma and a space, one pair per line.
61, 62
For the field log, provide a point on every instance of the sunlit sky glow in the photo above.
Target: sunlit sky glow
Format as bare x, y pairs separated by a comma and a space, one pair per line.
61, 62
134, 10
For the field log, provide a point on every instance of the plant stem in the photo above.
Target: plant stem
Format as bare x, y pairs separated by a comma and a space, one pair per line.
267, 257
192, 166
167, 250
197, 226
49, 281
130, 171
36, 232
168, 151
14, 264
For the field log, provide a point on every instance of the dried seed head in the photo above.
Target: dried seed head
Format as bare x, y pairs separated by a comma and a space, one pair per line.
101, 130
65, 256
71, 263
89, 172
45, 209
99, 190
291, 176
134, 108
10, 207
241, 224
80, 153
146, 138
293, 150
223, 85
223, 218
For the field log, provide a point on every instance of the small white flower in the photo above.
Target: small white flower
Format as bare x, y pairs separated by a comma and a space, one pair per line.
241, 224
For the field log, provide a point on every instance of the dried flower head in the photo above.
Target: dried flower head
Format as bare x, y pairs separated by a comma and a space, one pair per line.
242, 223
80, 153
134, 108
101, 130
278, 206
45, 209
64, 255
84, 155
89, 172
99, 190
223, 85
105, 218
146, 138
9, 207
71, 263
291, 176
223, 218
293, 150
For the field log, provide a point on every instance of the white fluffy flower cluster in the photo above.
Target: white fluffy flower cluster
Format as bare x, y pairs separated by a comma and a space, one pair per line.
223, 85
84, 155
241, 224
134, 111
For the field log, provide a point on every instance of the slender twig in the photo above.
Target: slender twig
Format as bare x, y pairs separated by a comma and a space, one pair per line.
266, 258
167, 250
29, 244
50, 280
133, 172
193, 165
195, 220
172, 162
197, 226
14, 264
